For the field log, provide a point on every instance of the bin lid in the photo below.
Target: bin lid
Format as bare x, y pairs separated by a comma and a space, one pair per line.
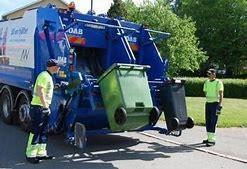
123, 66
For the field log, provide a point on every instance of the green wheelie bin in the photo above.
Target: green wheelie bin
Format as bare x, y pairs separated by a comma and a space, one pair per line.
126, 96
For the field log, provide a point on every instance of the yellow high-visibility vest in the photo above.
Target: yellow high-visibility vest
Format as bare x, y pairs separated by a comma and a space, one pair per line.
211, 89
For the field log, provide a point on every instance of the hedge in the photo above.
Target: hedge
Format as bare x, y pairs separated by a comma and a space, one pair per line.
233, 88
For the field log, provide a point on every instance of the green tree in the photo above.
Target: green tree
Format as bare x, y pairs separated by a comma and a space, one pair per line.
222, 30
182, 47
117, 9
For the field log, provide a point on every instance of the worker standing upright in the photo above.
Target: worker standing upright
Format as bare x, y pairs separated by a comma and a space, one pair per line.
39, 112
213, 89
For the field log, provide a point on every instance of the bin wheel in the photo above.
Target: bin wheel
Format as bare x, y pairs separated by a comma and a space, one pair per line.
174, 123
154, 116
120, 116
190, 123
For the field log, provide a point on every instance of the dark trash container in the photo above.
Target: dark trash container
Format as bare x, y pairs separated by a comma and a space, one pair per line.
173, 103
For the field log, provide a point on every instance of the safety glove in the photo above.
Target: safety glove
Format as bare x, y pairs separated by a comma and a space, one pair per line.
46, 111
218, 110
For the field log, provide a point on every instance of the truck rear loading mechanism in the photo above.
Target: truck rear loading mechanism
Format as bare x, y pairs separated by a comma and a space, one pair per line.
113, 78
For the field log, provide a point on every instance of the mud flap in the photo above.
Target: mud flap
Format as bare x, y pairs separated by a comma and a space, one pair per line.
80, 135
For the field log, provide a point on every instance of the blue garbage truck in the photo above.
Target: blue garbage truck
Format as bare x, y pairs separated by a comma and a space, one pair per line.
113, 78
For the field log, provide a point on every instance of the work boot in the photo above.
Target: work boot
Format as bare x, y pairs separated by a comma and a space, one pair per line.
47, 157
33, 160
205, 141
209, 144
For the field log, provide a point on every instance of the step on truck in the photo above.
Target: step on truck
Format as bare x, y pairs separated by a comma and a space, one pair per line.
113, 78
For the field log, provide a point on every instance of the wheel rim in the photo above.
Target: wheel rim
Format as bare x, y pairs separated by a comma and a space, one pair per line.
24, 115
6, 106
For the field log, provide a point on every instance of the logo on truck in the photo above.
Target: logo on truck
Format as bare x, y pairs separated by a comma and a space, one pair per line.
131, 39
24, 55
62, 60
95, 26
76, 31
19, 31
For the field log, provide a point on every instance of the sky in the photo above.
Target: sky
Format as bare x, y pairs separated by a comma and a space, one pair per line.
100, 6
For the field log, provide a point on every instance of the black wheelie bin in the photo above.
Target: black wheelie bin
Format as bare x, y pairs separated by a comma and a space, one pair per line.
172, 95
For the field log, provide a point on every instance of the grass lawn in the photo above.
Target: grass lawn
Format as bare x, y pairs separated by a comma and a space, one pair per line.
233, 113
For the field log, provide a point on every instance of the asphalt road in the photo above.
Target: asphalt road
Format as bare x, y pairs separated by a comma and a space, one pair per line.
121, 151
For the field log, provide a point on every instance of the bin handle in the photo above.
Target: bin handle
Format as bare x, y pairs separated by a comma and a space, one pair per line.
133, 66
123, 66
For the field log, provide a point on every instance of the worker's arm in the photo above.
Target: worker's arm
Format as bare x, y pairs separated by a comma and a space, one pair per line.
221, 97
220, 87
41, 94
205, 88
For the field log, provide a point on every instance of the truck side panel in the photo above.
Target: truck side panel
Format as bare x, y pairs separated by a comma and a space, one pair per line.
17, 50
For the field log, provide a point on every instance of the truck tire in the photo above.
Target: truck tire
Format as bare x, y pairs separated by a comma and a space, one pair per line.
23, 112
6, 105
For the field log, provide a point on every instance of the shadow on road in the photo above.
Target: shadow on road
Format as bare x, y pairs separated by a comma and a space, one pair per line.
100, 152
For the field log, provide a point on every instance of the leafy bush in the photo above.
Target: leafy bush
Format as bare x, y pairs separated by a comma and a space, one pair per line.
233, 88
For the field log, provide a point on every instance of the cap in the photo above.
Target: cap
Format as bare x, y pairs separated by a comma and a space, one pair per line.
52, 62
211, 71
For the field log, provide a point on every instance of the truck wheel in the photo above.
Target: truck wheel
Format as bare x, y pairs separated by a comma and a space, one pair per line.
24, 115
6, 106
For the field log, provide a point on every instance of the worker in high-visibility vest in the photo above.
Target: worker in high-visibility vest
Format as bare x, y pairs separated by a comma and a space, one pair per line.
213, 89
39, 112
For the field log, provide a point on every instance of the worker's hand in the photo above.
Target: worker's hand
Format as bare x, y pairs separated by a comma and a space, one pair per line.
46, 111
218, 109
